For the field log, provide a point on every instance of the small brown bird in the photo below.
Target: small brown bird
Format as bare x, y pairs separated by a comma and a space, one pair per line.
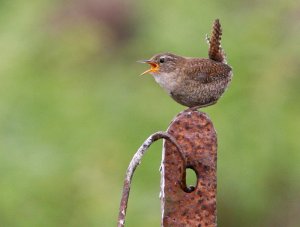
193, 82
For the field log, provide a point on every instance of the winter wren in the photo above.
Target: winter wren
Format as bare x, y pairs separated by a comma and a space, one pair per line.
193, 82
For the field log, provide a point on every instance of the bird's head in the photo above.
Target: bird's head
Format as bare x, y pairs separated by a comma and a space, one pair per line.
162, 63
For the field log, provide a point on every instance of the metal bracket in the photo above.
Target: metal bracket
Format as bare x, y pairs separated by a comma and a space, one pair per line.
190, 206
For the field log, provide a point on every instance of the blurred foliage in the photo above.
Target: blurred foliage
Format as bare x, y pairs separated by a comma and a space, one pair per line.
73, 109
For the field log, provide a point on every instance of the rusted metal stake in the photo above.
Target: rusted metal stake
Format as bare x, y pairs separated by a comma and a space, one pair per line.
190, 142
195, 134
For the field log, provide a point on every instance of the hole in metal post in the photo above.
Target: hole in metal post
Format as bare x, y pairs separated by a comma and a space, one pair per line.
191, 179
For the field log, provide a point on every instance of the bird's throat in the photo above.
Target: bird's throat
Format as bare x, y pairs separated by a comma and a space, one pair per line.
167, 81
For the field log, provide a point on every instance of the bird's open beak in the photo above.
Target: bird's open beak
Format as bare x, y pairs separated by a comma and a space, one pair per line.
154, 66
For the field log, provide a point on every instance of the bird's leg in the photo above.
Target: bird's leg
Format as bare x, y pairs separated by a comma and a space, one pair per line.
195, 108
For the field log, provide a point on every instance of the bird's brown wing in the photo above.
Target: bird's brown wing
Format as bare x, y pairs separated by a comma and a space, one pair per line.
201, 77
206, 70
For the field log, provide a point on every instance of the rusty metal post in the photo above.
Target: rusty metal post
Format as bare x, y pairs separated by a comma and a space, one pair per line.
196, 206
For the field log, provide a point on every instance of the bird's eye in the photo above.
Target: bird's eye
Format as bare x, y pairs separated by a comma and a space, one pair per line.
162, 60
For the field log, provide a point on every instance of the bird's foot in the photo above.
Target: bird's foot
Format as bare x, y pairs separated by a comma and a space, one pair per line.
195, 108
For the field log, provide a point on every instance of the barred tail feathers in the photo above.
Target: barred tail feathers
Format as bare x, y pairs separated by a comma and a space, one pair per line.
216, 52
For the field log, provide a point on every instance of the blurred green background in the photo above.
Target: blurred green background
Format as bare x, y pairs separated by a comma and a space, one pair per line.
73, 109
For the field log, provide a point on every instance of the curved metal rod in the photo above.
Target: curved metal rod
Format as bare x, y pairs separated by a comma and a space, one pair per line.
135, 161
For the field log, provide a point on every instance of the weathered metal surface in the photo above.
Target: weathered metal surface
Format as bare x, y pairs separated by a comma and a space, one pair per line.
136, 160
195, 207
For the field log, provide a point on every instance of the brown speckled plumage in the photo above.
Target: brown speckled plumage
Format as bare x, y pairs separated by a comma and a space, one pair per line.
194, 82
202, 82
